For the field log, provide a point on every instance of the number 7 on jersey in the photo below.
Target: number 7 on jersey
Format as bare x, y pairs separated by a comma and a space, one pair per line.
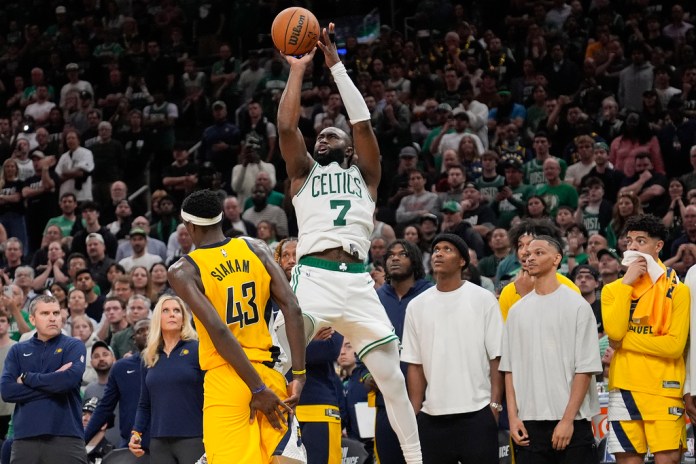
344, 206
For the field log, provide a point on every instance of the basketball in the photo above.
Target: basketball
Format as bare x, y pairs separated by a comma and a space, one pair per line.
295, 31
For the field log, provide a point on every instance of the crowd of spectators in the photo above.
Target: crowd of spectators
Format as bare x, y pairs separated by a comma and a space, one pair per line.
111, 112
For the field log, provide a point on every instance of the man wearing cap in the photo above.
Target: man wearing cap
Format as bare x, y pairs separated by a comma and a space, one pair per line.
75, 84
220, 143
609, 265
90, 216
154, 246
140, 257
479, 215
453, 223
122, 388
586, 278
454, 384
101, 360
550, 409
420, 202
512, 197
42, 377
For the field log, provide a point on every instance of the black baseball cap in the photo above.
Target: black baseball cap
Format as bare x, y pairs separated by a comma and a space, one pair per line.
587, 269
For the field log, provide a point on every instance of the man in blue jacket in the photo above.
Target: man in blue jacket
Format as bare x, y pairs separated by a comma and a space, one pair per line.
403, 266
122, 388
42, 376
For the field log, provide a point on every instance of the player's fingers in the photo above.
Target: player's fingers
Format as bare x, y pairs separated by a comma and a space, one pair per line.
252, 415
284, 407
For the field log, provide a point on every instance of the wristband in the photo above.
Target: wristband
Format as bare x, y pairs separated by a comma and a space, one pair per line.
302, 372
258, 390
353, 100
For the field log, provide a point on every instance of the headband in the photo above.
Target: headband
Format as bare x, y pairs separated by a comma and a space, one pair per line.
199, 221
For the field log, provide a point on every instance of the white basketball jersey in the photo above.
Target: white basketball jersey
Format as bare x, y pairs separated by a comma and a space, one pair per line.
334, 209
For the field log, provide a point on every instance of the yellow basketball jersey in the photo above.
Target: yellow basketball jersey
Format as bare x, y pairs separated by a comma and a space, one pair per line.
238, 286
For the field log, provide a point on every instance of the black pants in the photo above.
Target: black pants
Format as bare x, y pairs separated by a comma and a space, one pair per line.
386, 441
176, 450
469, 438
49, 450
581, 450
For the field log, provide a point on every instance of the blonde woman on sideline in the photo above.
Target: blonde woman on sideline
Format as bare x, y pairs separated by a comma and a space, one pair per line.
171, 372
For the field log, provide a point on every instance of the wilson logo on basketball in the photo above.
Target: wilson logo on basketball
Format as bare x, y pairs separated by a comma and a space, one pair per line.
295, 35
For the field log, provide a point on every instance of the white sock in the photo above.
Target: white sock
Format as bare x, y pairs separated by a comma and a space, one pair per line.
383, 363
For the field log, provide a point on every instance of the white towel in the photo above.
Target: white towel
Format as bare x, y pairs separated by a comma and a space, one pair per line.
654, 269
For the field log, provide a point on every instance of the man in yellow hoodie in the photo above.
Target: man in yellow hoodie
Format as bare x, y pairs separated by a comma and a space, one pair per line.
646, 316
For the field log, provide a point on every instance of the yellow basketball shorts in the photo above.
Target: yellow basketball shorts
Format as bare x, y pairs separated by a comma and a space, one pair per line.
640, 421
227, 434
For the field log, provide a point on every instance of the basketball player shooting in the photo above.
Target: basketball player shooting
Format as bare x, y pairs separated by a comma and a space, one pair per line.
334, 195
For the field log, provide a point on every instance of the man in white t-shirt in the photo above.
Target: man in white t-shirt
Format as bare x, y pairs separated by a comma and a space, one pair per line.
453, 378
40, 109
550, 357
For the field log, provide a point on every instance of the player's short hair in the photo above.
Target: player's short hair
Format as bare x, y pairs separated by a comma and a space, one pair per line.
648, 223
203, 203
553, 241
41, 299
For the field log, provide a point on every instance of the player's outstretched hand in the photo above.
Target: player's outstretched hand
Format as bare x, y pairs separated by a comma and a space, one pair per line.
327, 44
301, 60
270, 406
294, 391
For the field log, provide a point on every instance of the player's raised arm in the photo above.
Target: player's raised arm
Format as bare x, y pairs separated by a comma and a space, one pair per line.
187, 284
292, 144
364, 140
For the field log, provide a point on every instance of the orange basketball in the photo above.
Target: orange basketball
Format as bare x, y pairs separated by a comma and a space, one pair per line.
295, 31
